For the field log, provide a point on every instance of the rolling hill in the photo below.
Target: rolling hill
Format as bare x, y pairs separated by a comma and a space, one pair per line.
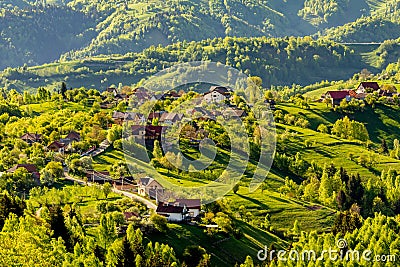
279, 61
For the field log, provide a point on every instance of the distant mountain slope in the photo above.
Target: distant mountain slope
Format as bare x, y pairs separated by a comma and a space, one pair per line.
330, 12
279, 61
382, 24
145, 22
39, 31
37, 35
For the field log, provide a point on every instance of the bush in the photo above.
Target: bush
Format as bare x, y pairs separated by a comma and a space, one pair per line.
159, 222
193, 255
322, 128
118, 144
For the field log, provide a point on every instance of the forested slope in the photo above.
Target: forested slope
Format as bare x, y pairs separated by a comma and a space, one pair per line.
278, 61
383, 23
36, 32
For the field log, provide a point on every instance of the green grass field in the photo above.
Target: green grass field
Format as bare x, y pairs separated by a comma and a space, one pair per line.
284, 210
331, 149
104, 161
382, 122
224, 251
316, 94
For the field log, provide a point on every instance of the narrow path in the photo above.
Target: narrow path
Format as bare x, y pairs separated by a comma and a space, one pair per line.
145, 201
355, 43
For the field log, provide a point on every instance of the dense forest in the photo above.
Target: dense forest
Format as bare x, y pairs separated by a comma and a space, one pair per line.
380, 25
99, 27
33, 35
280, 61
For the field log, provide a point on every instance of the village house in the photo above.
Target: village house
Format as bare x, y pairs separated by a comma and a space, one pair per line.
368, 87
74, 136
171, 212
193, 206
148, 186
199, 113
153, 116
56, 146
121, 117
148, 132
172, 95
70, 138
337, 96
64, 144
30, 168
141, 94
179, 210
234, 113
32, 138
170, 118
121, 97
164, 96
112, 90
217, 94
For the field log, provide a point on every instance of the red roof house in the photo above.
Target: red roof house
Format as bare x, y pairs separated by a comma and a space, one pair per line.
30, 168
368, 87
338, 96
31, 138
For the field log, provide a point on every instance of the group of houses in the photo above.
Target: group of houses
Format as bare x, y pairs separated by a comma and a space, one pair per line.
56, 146
140, 95
63, 144
163, 117
218, 94
362, 91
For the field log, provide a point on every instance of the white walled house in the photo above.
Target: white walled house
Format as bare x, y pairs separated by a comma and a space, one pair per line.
214, 97
171, 212
180, 210
192, 206
217, 94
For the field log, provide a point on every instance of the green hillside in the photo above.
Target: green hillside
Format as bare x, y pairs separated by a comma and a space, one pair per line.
381, 24
81, 28
31, 35
279, 61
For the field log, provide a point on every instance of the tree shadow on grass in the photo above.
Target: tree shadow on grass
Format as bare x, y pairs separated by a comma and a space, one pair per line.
257, 202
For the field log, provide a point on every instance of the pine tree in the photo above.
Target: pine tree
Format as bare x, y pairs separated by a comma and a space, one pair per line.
341, 200
63, 89
248, 262
157, 151
355, 190
325, 189
107, 230
139, 261
384, 148
135, 239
